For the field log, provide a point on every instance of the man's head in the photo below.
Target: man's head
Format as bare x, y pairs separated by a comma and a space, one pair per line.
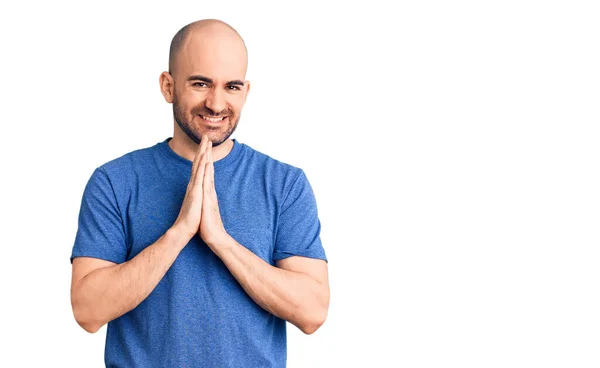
206, 79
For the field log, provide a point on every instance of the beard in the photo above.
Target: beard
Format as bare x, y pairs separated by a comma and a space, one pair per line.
217, 136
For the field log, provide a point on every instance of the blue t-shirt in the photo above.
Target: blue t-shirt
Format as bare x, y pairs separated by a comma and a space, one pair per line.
198, 315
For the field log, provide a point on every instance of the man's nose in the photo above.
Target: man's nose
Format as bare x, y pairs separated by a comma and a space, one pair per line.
215, 101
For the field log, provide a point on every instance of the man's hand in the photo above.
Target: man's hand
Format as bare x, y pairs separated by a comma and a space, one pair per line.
191, 210
211, 229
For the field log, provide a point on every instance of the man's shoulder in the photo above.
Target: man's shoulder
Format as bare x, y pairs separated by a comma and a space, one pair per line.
130, 160
271, 164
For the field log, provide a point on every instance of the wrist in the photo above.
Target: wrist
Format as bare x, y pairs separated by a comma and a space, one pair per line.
179, 234
220, 243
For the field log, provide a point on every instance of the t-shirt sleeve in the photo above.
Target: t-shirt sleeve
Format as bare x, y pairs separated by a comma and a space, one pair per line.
100, 232
299, 228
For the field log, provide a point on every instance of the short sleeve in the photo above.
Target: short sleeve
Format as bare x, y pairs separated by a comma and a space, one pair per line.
298, 225
100, 232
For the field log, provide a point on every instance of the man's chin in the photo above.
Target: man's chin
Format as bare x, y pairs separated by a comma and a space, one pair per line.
216, 140
217, 135
196, 137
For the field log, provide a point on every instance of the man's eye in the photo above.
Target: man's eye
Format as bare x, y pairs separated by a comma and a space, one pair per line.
199, 84
234, 88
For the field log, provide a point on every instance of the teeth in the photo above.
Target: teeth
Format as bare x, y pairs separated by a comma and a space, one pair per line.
212, 120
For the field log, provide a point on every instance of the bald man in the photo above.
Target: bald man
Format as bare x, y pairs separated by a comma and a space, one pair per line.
198, 249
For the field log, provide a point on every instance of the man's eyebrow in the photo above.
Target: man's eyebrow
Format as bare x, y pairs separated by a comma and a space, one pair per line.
200, 78
236, 82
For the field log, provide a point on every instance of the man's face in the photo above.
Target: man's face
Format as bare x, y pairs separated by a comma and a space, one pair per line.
209, 89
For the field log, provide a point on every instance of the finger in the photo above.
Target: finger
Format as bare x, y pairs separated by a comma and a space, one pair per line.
212, 177
209, 176
211, 167
197, 164
199, 179
196, 159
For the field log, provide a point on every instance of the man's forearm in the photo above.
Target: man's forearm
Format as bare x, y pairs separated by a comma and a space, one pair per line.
292, 296
108, 293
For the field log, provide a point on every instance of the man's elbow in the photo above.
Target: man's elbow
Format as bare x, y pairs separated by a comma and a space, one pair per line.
309, 329
90, 327
314, 323
84, 320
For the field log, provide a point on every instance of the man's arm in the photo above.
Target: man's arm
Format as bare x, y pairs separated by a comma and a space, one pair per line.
297, 290
102, 291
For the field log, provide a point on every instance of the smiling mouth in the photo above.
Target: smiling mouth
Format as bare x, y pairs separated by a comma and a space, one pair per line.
213, 119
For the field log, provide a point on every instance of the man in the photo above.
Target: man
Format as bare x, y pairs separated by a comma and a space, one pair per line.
196, 251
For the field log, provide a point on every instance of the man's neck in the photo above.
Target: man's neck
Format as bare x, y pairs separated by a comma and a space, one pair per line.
187, 148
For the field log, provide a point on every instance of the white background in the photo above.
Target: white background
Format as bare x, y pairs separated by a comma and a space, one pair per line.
453, 148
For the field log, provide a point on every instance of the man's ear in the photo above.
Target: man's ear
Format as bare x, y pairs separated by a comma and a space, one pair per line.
247, 86
167, 86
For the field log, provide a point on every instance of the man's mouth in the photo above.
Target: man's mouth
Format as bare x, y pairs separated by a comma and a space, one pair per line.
213, 119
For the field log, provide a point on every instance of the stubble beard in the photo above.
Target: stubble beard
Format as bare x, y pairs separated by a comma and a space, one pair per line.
194, 134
